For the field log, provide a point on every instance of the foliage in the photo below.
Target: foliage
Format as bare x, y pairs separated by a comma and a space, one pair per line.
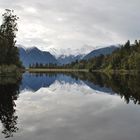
12, 70
40, 65
9, 54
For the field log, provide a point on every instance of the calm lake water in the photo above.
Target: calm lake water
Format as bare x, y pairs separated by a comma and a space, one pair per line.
77, 106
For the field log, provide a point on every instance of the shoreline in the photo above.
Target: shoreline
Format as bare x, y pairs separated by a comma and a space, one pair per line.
116, 71
56, 70
8, 71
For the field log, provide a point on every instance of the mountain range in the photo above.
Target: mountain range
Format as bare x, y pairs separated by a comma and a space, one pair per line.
33, 55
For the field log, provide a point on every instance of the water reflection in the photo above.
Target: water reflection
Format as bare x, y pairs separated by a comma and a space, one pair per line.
70, 106
9, 90
127, 86
35, 81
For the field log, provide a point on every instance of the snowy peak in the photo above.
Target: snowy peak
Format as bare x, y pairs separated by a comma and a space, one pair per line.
85, 49
34, 55
68, 59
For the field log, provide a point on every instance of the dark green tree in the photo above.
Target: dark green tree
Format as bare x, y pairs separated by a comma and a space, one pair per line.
8, 29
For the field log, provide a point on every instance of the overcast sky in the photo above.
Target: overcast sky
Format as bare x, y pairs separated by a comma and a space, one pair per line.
75, 24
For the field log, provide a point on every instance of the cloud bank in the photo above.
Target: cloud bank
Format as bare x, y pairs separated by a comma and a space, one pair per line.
75, 24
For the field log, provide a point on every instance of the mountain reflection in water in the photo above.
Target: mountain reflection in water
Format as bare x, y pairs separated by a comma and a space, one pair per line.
126, 86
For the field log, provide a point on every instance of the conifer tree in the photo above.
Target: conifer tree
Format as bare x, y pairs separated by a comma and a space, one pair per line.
8, 50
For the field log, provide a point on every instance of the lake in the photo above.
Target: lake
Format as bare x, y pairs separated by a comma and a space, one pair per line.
70, 106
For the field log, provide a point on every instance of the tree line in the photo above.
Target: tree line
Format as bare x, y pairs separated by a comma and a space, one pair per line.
126, 57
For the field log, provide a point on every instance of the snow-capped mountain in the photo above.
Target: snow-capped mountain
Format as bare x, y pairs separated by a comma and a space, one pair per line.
68, 59
59, 52
34, 55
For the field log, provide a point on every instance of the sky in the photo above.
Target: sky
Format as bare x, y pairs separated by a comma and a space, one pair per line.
75, 25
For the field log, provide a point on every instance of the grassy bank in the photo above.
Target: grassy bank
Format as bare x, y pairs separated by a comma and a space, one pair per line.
106, 71
10, 70
10, 74
121, 71
56, 70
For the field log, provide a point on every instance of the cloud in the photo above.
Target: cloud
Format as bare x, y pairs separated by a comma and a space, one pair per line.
72, 24
56, 113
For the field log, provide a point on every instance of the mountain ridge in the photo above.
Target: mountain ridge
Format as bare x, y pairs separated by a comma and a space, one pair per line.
33, 55
101, 51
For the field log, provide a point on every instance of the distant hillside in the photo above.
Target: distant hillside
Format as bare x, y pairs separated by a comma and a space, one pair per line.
34, 55
98, 52
127, 57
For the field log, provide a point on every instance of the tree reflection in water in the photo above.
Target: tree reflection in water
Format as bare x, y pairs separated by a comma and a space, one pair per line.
8, 94
125, 85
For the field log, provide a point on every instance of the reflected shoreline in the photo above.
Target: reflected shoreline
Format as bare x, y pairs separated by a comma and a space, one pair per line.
126, 86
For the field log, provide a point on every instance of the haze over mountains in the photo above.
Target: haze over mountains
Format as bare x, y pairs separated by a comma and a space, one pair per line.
33, 55
83, 50
68, 59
